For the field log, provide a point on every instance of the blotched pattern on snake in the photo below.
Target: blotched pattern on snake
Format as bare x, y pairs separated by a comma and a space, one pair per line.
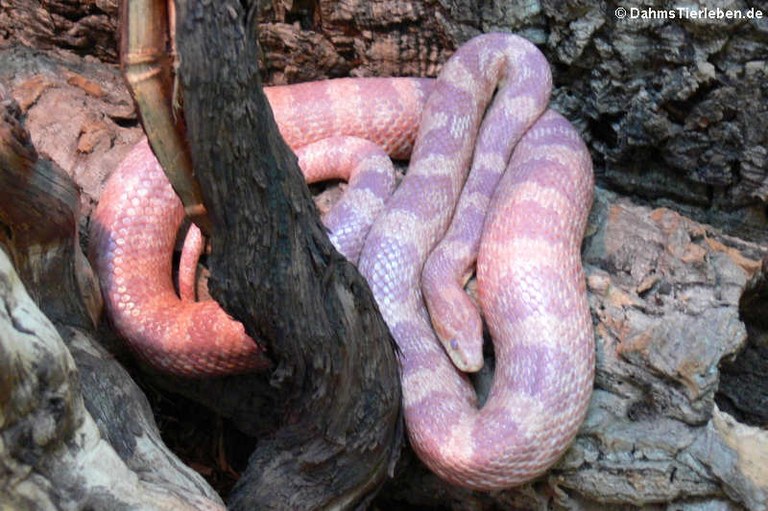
518, 218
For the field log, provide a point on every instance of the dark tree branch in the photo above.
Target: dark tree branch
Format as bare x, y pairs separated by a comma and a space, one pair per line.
274, 269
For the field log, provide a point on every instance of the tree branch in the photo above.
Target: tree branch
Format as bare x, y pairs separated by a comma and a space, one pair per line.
274, 269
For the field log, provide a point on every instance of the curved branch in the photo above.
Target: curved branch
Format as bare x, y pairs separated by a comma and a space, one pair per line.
274, 269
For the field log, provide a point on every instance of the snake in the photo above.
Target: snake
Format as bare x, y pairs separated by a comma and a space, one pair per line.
498, 185
134, 227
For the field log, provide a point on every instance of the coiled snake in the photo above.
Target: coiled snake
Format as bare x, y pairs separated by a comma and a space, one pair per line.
521, 215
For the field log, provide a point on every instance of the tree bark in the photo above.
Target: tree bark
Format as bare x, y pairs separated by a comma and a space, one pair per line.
674, 110
273, 267
61, 448
87, 28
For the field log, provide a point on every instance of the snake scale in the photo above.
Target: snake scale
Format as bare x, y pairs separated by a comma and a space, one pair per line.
518, 218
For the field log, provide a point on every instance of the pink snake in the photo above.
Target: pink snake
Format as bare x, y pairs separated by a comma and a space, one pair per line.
521, 215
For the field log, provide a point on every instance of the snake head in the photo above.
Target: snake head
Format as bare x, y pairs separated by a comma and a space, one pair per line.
461, 333
465, 354
445, 286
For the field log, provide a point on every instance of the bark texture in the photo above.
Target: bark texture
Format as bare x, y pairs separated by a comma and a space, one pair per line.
86, 28
274, 268
674, 114
60, 447
673, 109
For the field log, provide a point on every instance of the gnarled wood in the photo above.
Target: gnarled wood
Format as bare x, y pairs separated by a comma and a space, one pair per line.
54, 453
274, 269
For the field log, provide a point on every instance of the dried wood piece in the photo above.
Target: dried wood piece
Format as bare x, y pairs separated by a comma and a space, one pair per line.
274, 269
53, 454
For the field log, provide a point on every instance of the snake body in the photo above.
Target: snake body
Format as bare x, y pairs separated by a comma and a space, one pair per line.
521, 217
134, 226
530, 279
